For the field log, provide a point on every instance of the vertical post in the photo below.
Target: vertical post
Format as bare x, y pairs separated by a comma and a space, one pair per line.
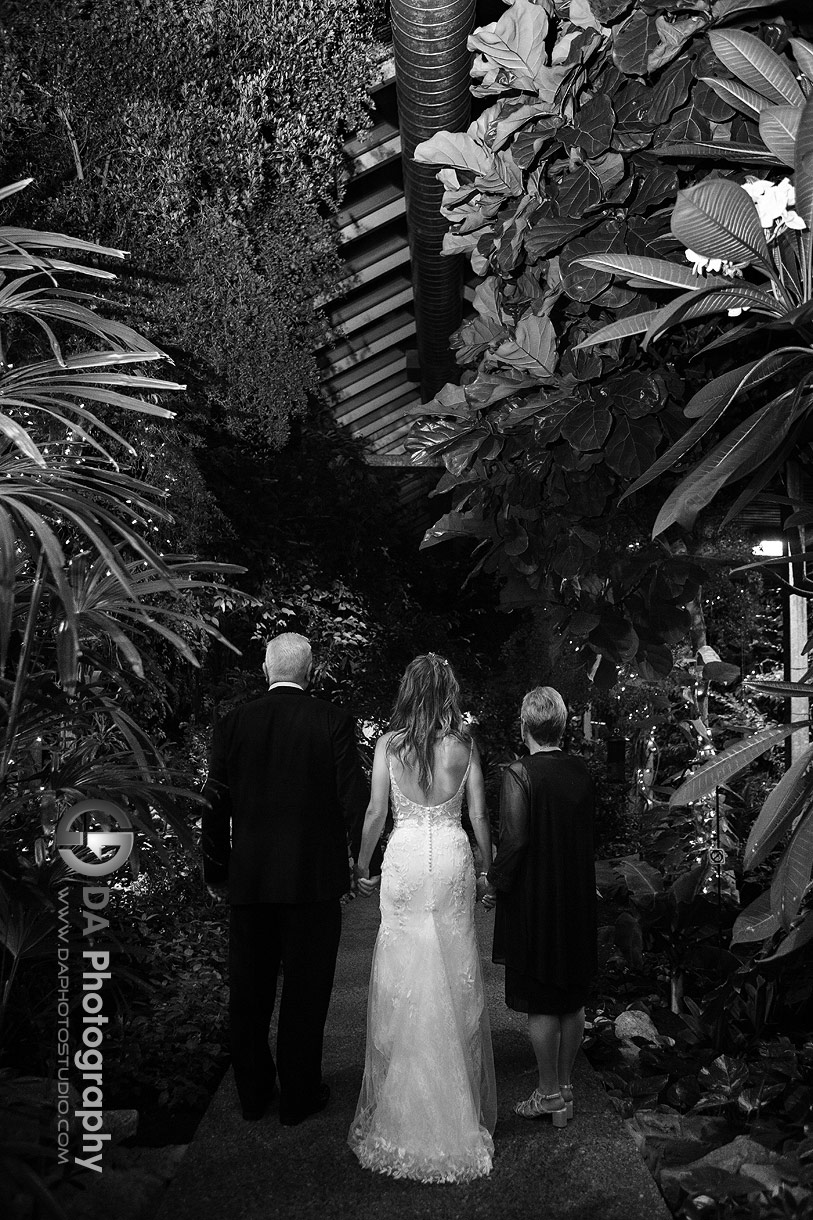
796, 661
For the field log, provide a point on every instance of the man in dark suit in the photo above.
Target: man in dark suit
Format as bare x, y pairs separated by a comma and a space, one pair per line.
285, 790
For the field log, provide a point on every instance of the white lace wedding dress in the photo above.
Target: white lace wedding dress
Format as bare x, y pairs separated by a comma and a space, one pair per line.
427, 1107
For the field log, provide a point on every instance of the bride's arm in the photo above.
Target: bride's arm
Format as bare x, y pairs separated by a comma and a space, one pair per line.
376, 814
476, 803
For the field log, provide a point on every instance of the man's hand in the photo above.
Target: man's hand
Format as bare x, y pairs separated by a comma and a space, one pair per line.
220, 893
486, 893
367, 884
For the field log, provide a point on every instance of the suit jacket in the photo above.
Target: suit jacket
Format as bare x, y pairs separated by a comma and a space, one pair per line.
284, 793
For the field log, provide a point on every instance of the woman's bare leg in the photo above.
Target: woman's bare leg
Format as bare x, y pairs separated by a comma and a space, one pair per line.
571, 1025
544, 1032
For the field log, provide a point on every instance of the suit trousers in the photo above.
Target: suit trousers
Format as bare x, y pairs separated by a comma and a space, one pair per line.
302, 939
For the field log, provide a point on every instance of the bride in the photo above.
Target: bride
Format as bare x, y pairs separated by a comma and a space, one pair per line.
427, 1106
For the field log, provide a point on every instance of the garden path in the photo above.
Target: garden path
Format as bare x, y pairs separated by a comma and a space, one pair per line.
262, 1171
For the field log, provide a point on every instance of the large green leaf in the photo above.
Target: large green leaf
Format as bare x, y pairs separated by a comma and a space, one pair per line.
748, 101
731, 761
582, 278
705, 301
636, 324
795, 939
756, 65
803, 54
804, 165
456, 149
454, 525
747, 376
532, 348
631, 447
676, 451
651, 271
587, 426
516, 44
782, 690
718, 219
779, 126
642, 879
793, 872
756, 922
718, 150
634, 41
723, 9
783, 804
746, 447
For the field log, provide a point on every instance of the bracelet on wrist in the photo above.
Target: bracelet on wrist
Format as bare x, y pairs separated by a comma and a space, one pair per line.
484, 874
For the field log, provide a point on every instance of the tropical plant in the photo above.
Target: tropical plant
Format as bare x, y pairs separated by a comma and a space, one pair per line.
571, 173
86, 595
758, 234
609, 202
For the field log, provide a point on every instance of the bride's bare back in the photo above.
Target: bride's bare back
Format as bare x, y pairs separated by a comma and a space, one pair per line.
450, 759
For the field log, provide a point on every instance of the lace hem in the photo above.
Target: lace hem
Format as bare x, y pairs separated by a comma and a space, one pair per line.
381, 1156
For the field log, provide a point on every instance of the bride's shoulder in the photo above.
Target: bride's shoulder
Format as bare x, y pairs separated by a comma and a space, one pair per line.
454, 744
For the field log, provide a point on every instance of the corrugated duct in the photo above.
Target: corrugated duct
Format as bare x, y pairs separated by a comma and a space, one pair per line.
432, 79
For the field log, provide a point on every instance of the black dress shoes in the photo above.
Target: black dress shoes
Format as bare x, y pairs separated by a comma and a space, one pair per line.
291, 1117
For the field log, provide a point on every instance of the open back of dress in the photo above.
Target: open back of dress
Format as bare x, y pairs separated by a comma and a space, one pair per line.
427, 1107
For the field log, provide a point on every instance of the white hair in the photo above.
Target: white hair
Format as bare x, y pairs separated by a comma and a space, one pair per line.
544, 714
288, 658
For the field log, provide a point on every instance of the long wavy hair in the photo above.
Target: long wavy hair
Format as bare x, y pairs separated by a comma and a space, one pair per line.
427, 708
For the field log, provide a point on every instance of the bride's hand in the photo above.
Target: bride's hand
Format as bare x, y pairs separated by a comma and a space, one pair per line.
368, 885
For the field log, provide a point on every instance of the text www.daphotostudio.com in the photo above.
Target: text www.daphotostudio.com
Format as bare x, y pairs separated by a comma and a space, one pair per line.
104, 832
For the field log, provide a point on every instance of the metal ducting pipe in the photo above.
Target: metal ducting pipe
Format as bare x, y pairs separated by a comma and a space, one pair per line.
432, 81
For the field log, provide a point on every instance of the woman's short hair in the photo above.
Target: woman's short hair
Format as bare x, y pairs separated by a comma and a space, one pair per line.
544, 714
288, 658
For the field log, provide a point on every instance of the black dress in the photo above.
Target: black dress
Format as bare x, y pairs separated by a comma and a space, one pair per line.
544, 872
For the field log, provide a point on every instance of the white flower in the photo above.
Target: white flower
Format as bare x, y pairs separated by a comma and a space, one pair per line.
701, 264
774, 203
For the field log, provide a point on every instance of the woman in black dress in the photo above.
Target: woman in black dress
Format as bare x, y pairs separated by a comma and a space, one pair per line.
544, 883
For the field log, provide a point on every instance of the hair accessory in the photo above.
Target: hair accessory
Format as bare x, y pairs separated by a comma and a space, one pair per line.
435, 657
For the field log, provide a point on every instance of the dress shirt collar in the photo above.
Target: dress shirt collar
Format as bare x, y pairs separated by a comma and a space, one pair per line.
296, 685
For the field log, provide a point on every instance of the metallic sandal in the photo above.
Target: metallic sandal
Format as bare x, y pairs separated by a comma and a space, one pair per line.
535, 1107
567, 1096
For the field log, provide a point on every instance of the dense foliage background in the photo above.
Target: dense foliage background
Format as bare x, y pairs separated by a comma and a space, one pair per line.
589, 450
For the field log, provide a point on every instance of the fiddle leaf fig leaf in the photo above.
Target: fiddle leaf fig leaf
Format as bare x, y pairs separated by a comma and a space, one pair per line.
587, 426
532, 349
516, 45
633, 43
631, 447
457, 149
